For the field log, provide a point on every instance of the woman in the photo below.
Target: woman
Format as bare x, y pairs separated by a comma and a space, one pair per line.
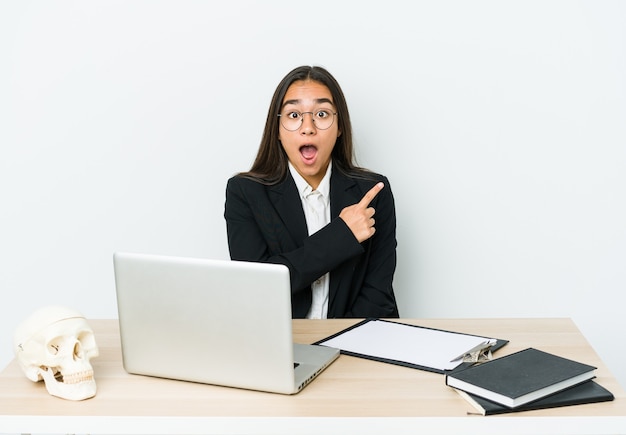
305, 204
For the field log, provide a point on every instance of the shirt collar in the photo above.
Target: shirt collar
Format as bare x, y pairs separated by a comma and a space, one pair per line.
305, 189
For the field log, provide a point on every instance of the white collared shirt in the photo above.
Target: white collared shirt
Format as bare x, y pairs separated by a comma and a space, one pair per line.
316, 206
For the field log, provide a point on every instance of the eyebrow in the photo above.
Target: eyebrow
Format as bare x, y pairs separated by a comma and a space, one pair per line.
318, 101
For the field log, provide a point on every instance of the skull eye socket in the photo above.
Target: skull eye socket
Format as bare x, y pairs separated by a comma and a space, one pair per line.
54, 346
87, 341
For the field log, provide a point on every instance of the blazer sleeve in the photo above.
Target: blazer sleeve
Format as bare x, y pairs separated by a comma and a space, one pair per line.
374, 295
257, 232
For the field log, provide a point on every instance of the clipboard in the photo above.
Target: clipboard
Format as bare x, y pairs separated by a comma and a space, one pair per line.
413, 346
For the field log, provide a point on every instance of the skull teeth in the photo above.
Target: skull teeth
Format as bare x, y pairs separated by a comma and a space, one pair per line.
77, 378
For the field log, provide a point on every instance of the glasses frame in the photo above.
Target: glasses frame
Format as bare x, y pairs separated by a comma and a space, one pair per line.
280, 116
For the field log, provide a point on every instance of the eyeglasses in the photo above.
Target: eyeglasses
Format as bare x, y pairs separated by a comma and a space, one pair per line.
322, 118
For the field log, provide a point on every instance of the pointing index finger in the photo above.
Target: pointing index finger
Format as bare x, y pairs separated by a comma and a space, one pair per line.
371, 194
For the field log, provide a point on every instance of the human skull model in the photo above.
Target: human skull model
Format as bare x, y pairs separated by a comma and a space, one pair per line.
56, 344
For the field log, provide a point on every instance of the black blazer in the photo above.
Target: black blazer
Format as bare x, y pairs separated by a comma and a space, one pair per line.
267, 224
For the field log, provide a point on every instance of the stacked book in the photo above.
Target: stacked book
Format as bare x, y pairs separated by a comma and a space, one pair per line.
526, 380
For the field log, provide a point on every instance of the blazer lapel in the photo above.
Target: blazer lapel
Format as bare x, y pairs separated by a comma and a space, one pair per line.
343, 193
286, 200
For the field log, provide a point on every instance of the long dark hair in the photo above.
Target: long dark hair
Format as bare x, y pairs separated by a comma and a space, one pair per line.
271, 163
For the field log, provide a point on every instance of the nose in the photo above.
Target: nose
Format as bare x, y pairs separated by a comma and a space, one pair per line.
308, 125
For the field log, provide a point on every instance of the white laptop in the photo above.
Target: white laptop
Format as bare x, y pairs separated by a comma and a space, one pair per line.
212, 321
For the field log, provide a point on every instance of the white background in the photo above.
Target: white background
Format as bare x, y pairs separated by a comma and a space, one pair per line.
501, 126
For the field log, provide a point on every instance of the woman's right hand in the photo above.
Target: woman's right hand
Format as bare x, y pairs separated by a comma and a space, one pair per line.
360, 216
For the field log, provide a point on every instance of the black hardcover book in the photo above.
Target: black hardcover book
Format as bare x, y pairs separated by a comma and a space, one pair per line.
521, 377
587, 392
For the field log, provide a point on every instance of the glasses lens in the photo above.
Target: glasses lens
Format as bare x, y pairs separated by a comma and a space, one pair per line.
323, 119
291, 120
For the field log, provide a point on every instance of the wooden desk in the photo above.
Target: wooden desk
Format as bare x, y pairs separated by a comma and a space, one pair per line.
352, 396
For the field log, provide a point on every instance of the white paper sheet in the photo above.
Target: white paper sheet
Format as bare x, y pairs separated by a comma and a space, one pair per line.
416, 345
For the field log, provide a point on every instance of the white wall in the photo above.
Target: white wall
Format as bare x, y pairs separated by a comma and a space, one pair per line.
501, 126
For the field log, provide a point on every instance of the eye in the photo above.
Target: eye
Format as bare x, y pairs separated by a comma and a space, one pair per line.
322, 114
293, 115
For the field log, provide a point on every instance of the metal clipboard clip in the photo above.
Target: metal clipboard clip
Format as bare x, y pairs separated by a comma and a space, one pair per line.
479, 353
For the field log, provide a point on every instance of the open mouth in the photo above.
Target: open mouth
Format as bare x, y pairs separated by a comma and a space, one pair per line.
308, 152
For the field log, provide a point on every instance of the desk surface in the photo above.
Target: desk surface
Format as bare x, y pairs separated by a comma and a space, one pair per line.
352, 395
